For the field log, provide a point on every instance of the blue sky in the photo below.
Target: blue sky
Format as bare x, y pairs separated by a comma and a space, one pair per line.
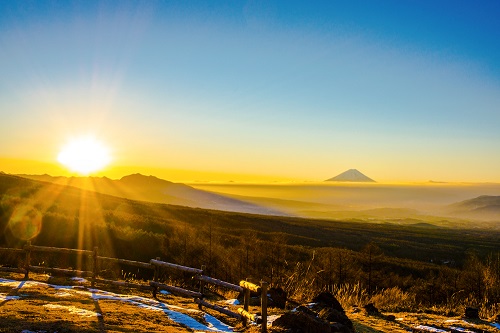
401, 90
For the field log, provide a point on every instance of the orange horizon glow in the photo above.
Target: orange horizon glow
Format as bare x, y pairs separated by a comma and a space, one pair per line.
114, 171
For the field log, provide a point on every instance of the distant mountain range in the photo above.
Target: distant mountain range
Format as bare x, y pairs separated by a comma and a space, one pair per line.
351, 175
341, 202
483, 207
153, 189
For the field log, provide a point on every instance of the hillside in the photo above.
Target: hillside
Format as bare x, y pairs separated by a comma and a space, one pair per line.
56, 204
301, 255
484, 207
153, 189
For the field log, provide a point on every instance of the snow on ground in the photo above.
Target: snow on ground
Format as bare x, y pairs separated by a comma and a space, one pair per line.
214, 325
430, 329
233, 301
271, 319
460, 329
4, 297
496, 325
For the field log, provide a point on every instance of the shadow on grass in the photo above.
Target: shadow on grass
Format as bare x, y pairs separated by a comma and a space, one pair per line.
13, 293
361, 328
100, 316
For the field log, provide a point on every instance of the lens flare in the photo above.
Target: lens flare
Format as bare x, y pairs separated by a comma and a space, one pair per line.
25, 222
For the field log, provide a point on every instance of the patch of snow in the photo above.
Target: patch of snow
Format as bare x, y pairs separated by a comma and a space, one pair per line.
74, 310
496, 325
461, 329
164, 292
63, 294
271, 319
79, 279
429, 329
217, 325
11, 283
214, 325
4, 297
233, 301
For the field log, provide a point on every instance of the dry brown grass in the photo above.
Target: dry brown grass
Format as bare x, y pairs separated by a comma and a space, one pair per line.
44, 308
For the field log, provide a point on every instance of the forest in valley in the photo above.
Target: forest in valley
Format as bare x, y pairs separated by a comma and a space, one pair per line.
396, 267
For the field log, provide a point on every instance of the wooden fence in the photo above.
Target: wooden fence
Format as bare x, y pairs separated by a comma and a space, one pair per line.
156, 265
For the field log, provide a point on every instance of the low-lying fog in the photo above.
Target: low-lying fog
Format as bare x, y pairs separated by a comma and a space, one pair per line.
319, 199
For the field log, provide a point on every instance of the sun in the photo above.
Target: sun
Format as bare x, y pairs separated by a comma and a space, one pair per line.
84, 155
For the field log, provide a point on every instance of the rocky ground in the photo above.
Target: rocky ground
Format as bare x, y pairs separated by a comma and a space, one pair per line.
50, 304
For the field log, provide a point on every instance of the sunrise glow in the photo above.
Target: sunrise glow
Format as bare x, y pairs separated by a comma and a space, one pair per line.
84, 155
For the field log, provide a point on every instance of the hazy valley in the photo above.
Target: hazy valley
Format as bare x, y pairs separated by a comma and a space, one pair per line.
450, 204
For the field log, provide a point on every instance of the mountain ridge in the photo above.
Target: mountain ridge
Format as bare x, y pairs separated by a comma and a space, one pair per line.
153, 189
351, 175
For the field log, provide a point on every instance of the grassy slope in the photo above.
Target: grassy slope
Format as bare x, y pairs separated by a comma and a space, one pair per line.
419, 241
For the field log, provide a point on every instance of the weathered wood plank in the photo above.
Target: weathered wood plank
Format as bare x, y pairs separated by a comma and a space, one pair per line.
250, 286
127, 262
248, 315
175, 290
12, 250
124, 284
13, 269
57, 250
175, 266
263, 306
219, 283
70, 272
218, 308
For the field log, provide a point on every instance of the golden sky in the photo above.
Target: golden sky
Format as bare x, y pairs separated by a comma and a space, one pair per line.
246, 92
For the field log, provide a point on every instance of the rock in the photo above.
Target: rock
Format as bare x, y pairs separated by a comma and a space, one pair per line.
371, 309
300, 322
390, 317
334, 316
326, 299
471, 313
276, 298
108, 274
306, 310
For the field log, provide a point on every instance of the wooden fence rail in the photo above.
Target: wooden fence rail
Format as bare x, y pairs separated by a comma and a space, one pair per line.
175, 266
156, 265
219, 283
127, 262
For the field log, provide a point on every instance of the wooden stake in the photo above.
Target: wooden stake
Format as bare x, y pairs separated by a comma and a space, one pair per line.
94, 268
155, 277
246, 303
27, 248
263, 304
202, 287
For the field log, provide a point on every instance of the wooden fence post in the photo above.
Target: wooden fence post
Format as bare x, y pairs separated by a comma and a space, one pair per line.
155, 277
94, 268
246, 303
202, 286
27, 263
263, 304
